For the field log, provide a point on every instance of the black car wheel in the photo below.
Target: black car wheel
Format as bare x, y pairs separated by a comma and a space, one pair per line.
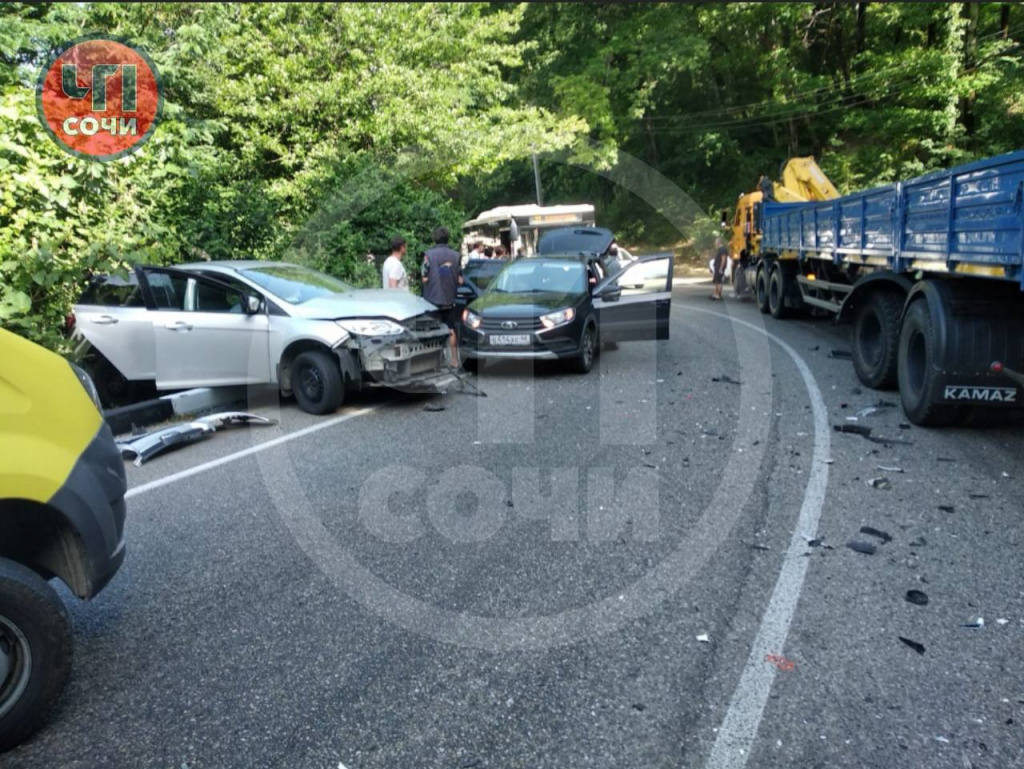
317, 383
584, 361
35, 651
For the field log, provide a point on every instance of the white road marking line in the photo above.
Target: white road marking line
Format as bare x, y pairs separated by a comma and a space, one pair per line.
227, 459
739, 728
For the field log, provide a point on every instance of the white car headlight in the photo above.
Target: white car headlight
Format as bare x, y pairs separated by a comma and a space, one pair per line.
557, 318
471, 319
371, 327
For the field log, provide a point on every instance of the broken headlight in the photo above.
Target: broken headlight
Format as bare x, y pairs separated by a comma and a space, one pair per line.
371, 327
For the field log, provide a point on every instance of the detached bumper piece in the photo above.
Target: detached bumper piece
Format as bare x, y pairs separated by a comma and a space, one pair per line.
145, 447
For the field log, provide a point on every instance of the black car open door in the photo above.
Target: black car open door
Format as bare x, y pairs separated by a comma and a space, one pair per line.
635, 302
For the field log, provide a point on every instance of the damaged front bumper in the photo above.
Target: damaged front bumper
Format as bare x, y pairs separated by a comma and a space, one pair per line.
416, 360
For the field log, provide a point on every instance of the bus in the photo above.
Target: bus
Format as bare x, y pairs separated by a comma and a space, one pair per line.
518, 228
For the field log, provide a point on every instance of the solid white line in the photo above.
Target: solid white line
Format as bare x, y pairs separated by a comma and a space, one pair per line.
227, 459
739, 728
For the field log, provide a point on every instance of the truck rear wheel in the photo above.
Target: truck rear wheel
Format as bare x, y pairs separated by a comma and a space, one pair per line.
918, 377
876, 340
35, 651
761, 289
778, 286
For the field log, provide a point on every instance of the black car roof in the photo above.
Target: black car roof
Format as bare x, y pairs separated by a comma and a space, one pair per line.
575, 240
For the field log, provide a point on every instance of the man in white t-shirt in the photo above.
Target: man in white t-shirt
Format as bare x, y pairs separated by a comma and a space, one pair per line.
393, 273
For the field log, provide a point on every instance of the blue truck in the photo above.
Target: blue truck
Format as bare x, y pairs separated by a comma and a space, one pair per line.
929, 272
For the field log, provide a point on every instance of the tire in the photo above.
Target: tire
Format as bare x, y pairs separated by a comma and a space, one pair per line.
876, 340
35, 636
317, 383
761, 289
918, 380
111, 386
777, 289
584, 362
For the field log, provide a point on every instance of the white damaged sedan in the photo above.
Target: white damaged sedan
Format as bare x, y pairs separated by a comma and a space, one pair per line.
210, 324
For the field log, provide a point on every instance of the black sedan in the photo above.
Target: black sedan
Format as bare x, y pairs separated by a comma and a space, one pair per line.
560, 307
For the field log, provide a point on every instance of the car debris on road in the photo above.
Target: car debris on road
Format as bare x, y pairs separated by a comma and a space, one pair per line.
146, 446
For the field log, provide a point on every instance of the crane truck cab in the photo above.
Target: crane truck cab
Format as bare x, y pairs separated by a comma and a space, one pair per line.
62, 513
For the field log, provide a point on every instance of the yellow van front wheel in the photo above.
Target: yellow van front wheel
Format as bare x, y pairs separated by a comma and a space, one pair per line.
35, 651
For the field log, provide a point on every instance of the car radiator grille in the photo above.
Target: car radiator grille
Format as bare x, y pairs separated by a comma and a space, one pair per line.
423, 323
522, 324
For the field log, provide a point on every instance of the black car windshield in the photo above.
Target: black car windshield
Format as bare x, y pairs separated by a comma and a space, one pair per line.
537, 275
295, 284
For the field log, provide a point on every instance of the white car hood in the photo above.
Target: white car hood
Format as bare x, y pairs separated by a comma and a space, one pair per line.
364, 303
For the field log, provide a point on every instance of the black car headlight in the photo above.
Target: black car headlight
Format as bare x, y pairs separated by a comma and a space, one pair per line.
87, 384
559, 318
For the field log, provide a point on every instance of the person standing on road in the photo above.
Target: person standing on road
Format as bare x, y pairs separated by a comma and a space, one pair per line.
718, 265
393, 274
442, 276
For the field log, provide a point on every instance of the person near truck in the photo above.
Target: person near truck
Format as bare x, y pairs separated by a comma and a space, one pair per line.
393, 274
718, 267
442, 276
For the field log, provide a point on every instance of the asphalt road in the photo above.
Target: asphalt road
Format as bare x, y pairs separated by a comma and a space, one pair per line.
523, 580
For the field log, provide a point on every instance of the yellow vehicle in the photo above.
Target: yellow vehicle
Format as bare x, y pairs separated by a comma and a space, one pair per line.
62, 512
801, 180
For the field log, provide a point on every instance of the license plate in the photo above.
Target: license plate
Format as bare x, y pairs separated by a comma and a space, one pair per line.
503, 340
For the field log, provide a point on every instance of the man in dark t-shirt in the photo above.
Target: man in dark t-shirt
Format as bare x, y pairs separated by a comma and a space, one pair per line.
442, 275
718, 268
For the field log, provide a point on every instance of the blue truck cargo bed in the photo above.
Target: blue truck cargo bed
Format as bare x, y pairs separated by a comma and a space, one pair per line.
967, 220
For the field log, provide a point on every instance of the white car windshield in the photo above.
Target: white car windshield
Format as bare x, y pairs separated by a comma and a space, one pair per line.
541, 276
295, 284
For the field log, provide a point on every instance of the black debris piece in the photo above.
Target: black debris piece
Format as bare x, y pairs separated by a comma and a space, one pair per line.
815, 348
861, 547
947, 508
873, 532
814, 543
841, 354
919, 542
904, 425
944, 459
725, 379
639, 706
918, 647
917, 597
880, 483
855, 429
759, 547
978, 496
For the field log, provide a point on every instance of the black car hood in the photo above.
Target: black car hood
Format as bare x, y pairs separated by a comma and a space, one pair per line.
575, 240
522, 305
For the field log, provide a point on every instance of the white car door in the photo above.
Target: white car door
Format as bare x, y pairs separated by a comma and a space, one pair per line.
208, 336
112, 317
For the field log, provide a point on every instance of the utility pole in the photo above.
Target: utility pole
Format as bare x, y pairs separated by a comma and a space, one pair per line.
536, 177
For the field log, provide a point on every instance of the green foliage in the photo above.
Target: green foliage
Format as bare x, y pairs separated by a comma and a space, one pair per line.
290, 131
316, 132
716, 95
